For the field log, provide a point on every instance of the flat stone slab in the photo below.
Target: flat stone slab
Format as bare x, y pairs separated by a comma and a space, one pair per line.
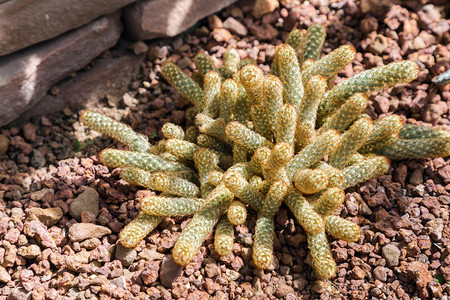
25, 76
27, 22
162, 18
109, 76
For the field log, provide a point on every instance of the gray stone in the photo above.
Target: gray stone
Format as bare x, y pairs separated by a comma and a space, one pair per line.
391, 253
109, 76
86, 201
169, 271
125, 255
151, 19
37, 159
45, 19
82, 231
25, 76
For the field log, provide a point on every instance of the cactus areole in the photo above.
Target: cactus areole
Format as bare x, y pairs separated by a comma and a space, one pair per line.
260, 140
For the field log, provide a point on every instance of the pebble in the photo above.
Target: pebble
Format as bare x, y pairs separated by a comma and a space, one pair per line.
90, 244
4, 275
320, 286
150, 274
391, 254
39, 195
169, 271
86, 201
38, 159
234, 26
29, 132
416, 177
4, 144
74, 262
29, 252
82, 231
150, 254
212, 270
48, 216
125, 255
283, 289
139, 47
36, 229
262, 7
380, 273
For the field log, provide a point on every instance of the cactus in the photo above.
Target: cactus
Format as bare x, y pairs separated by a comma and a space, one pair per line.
261, 140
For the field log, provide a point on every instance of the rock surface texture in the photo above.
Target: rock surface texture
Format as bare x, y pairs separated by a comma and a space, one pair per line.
26, 76
109, 76
160, 18
44, 20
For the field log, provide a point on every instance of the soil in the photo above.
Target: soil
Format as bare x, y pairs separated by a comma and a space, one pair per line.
61, 211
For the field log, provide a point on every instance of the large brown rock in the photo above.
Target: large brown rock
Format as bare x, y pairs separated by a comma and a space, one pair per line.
108, 76
25, 76
161, 18
26, 22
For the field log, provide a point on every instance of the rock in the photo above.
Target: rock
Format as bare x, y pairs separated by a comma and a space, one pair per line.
44, 20
48, 216
29, 252
109, 76
74, 262
99, 280
10, 254
37, 230
82, 231
86, 201
4, 275
416, 177
151, 19
265, 32
29, 132
235, 26
379, 44
381, 104
139, 47
380, 273
150, 254
12, 235
263, 7
125, 255
221, 35
150, 274
212, 269
441, 27
27, 75
391, 254
444, 172
437, 226
4, 144
282, 290
37, 159
38, 195
368, 24
419, 272
429, 14
169, 271
91, 244
320, 286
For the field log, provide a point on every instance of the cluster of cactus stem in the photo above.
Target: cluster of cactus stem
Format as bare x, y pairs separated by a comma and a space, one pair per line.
260, 140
